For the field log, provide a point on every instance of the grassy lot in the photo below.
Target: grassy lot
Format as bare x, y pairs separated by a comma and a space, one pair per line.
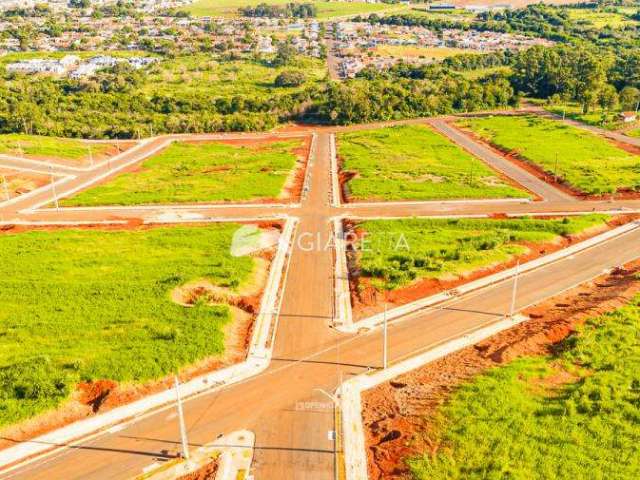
229, 8
200, 74
397, 252
635, 133
49, 147
596, 117
415, 163
517, 422
600, 18
203, 172
408, 51
586, 161
85, 304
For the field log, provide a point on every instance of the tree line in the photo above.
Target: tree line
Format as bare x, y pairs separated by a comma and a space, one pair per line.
290, 10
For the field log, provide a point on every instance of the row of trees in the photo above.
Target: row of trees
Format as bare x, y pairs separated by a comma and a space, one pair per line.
290, 10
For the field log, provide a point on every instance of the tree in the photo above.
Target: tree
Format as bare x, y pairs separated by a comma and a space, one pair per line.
629, 98
290, 78
79, 3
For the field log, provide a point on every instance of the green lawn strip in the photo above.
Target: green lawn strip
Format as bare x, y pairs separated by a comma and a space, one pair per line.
415, 163
587, 162
86, 304
394, 253
202, 172
49, 147
513, 422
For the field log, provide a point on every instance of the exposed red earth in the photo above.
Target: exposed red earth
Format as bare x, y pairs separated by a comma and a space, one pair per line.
399, 415
20, 182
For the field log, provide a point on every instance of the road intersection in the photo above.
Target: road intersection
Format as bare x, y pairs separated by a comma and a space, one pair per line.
290, 417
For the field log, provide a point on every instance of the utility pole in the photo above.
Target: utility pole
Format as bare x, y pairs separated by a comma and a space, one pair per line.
5, 187
53, 188
183, 430
515, 290
555, 169
385, 344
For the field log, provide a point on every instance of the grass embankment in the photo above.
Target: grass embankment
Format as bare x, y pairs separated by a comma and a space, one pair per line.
203, 172
326, 9
587, 162
83, 304
50, 147
395, 253
415, 163
567, 416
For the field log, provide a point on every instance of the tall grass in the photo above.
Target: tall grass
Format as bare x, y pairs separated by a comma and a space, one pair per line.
394, 253
586, 161
49, 147
517, 422
84, 304
202, 172
415, 163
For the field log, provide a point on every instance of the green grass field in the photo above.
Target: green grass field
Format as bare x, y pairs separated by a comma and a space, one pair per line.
395, 253
50, 147
517, 422
600, 18
201, 74
587, 162
415, 163
85, 304
408, 51
204, 172
229, 8
596, 117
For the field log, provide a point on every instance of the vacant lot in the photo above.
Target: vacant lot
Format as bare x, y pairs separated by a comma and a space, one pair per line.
14, 183
600, 18
200, 74
52, 148
415, 163
395, 253
429, 53
86, 305
326, 9
588, 163
201, 172
571, 415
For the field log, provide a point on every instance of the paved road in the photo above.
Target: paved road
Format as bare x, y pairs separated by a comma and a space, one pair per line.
290, 418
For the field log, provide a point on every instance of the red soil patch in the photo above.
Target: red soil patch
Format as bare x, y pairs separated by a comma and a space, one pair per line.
367, 301
19, 183
93, 397
399, 416
548, 177
208, 472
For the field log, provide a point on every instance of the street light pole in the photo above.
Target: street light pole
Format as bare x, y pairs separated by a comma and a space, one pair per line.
53, 188
515, 290
5, 187
385, 341
183, 430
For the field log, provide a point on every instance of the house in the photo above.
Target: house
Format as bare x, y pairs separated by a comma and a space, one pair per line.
627, 117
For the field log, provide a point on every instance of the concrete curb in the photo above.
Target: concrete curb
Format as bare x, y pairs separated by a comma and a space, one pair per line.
258, 360
349, 392
376, 320
336, 194
342, 294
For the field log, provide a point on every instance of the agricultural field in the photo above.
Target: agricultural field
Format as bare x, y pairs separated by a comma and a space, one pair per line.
79, 305
201, 74
202, 172
573, 414
52, 148
588, 163
326, 9
396, 253
415, 163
